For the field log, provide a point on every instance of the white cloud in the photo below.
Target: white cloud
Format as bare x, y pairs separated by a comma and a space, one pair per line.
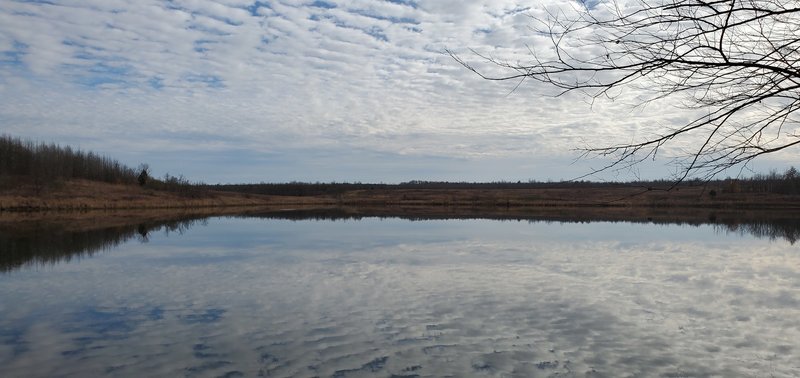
363, 74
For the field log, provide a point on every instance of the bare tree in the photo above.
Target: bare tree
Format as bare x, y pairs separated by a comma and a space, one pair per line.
144, 174
734, 61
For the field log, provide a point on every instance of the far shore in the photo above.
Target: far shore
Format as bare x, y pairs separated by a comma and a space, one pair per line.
772, 223
82, 199
85, 195
81, 207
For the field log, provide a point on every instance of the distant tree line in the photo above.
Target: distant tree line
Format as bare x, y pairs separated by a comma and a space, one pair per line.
322, 189
772, 182
785, 183
42, 164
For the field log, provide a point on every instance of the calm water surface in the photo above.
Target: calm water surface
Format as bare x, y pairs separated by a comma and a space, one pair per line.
392, 297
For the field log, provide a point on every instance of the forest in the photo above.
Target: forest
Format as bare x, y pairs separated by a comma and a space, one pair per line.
25, 161
42, 165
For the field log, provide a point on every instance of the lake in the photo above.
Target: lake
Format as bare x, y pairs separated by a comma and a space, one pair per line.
351, 297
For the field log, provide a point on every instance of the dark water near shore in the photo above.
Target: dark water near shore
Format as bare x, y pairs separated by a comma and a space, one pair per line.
350, 297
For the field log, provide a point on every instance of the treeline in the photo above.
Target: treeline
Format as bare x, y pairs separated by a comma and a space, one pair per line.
772, 182
334, 188
43, 164
23, 162
177, 184
778, 183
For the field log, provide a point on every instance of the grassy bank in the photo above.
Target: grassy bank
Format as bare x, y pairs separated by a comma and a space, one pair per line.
94, 195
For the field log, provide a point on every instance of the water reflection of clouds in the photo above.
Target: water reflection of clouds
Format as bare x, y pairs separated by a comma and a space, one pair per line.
480, 304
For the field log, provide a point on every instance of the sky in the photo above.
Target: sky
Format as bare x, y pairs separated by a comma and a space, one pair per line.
341, 90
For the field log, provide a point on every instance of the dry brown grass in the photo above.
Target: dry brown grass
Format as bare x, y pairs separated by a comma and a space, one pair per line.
92, 195
605, 197
89, 195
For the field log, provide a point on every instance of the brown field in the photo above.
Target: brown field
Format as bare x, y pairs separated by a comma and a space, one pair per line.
598, 197
89, 195
92, 195
82, 206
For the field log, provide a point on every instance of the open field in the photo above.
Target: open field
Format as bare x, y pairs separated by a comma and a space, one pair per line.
92, 195
600, 197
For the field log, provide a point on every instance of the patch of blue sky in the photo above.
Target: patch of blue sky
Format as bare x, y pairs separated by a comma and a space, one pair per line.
254, 8
409, 3
392, 19
208, 30
373, 31
323, 4
513, 11
110, 69
156, 83
333, 19
172, 5
226, 20
14, 56
88, 53
98, 68
100, 81
92, 54
201, 45
40, 2
590, 4
211, 81
377, 33
265, 48
101, 74
24, 13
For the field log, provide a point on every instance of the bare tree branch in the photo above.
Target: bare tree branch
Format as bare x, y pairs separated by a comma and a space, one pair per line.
736, 60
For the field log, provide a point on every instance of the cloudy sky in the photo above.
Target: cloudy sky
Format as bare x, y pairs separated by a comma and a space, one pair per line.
344, 90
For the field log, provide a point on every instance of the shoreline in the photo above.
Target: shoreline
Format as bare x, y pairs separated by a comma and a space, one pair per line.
81, 231
87, 196
84, 195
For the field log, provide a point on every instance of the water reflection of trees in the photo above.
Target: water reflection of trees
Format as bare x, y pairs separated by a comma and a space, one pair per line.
759, 225
788, 229
42, 243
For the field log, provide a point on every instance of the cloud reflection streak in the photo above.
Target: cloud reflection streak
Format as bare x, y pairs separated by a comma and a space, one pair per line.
517, 300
